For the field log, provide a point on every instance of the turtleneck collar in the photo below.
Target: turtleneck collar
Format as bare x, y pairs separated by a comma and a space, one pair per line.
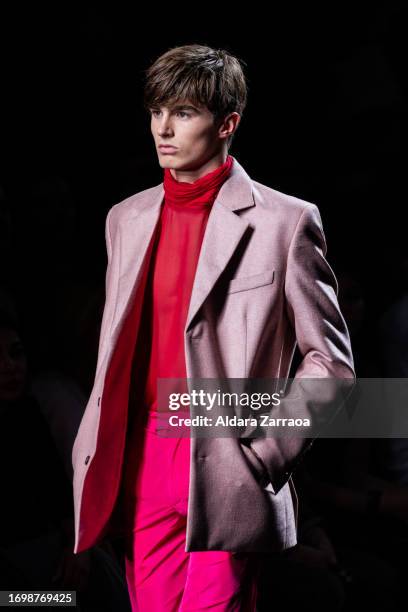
200, 193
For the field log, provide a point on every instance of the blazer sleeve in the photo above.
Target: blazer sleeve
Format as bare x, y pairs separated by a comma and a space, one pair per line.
322, 336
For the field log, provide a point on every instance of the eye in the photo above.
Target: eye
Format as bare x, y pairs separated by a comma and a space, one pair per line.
153, 111
183, 113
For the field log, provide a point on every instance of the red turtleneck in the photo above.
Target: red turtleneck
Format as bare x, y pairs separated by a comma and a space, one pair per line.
180, 231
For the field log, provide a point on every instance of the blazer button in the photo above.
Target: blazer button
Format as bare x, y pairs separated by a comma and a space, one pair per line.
87, 459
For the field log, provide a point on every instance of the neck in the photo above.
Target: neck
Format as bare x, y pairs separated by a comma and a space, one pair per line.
189, 176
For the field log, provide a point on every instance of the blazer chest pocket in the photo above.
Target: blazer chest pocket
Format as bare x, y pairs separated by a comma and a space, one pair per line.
251, 282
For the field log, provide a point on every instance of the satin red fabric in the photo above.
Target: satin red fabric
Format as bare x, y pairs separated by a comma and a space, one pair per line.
203, 191
161, 575
179, 234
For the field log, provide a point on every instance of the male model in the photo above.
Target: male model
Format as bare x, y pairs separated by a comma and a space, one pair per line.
210, 275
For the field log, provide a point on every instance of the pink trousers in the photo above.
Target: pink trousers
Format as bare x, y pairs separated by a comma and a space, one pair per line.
161, 575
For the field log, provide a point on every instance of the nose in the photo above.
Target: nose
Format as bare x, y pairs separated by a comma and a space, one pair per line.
164, 126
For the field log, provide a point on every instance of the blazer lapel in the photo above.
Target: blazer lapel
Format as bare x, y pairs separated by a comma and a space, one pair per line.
136, 233
223, 233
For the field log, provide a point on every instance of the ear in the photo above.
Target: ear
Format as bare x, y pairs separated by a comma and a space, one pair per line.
228, 125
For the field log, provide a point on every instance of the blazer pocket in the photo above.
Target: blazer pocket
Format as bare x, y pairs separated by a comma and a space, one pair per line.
256, 466
295, 500
251, 282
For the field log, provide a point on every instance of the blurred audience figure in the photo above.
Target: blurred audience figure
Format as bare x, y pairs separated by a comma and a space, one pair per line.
393, 344
36, 513
360, 514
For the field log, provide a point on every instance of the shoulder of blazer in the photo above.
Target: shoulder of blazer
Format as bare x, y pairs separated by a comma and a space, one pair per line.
279, 201
119, 212
288, 209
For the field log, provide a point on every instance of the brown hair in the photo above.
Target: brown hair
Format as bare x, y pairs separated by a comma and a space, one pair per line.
210, 77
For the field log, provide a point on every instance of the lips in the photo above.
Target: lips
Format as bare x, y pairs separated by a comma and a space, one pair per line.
167, 148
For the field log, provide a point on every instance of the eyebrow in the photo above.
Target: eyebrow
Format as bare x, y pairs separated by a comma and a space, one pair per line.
182, 107
185, 107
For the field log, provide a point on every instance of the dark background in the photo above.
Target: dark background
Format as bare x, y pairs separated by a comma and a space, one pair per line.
325, 121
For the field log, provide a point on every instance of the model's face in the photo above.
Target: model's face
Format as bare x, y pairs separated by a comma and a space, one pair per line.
190, 130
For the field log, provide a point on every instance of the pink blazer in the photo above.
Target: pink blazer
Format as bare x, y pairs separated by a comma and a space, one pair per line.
262, 286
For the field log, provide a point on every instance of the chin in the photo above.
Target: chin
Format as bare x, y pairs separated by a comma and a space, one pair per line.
166, 162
